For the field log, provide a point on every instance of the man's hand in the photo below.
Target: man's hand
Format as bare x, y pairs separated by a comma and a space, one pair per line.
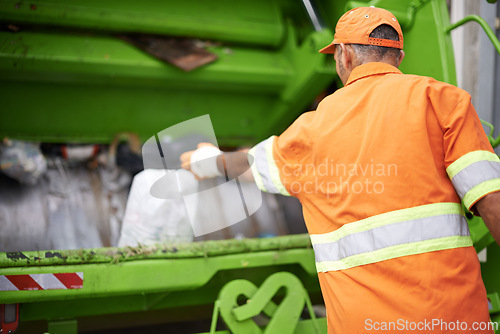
202, 162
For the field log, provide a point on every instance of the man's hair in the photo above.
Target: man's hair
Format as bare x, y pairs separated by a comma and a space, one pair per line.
383, 31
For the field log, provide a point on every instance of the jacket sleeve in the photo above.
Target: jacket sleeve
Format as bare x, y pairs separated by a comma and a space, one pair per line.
277, 162
472, 165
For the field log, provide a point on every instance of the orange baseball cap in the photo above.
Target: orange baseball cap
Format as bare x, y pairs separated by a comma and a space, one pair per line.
355, 27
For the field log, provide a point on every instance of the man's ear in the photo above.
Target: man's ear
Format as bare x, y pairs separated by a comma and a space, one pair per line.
401, 57
347, 54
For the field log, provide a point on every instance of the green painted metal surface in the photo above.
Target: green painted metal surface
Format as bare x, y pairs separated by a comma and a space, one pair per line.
195, 263
66, 77
239, 314
62, 327
254, 22
182, 281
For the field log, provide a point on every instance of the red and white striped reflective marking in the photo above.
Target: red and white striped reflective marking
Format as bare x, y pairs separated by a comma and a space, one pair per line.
41, 281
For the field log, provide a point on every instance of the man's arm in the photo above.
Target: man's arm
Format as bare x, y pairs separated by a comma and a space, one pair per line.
232, 164
236, 164
489, 209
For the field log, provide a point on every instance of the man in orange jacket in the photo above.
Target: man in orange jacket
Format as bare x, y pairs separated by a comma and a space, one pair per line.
392, 245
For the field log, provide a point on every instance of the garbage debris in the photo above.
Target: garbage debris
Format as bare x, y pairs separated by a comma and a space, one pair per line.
22, 161
76, 198
183, 53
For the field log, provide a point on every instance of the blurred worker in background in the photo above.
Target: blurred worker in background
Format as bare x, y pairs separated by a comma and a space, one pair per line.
381, 168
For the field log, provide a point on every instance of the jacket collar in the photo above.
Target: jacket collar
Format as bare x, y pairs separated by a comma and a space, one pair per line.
370, 69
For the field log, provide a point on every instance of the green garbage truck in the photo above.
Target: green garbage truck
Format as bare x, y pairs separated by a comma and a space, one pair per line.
90, 73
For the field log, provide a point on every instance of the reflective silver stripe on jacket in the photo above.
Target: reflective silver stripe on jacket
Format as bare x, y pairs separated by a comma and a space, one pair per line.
394, 234
474, 175
264, 168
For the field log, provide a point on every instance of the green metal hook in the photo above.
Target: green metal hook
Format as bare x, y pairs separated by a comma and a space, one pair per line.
493, 141
487, 29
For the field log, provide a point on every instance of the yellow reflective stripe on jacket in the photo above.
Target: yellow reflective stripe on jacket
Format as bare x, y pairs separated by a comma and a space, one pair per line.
475, 175
264, 168
399, 233
468, 159
473, 195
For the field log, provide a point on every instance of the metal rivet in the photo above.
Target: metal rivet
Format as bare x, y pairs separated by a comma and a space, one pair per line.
394, 19
367, 16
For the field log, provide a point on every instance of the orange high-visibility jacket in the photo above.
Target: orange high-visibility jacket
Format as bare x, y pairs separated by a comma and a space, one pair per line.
381, 168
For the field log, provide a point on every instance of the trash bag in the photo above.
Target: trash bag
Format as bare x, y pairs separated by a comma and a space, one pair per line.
22, 161
150, 220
